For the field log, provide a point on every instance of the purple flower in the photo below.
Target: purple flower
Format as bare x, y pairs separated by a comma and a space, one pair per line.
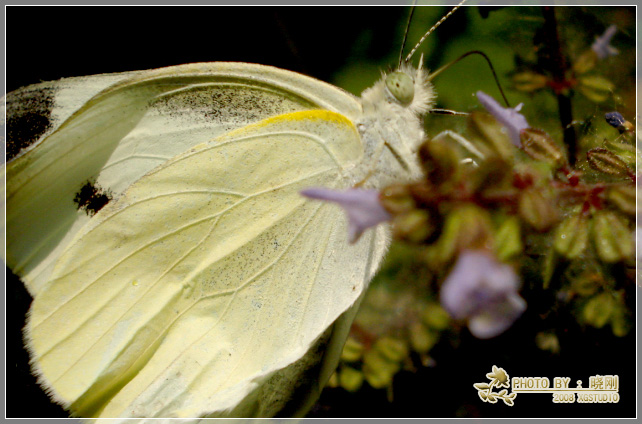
508, 117
361, 206
484, 292
602, 47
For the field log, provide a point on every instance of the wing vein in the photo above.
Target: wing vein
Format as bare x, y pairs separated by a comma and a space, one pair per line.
216, 217
299, 232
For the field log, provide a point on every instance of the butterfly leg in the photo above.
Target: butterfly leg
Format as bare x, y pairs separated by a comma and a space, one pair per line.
463, 142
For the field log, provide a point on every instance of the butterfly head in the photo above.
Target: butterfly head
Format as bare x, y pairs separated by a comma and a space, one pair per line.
405, 89
401, 87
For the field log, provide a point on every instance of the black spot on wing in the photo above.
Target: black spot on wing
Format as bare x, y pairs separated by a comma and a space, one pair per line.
28, 117
91, 198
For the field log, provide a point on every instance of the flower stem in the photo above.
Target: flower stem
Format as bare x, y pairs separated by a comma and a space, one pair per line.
558, 68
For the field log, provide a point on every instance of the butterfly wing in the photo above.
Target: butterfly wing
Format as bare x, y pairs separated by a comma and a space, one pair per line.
112, 129
209, 278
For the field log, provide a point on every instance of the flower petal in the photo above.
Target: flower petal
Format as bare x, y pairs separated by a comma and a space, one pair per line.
602, 47
363, 208
484, 291
509, 117
492, 323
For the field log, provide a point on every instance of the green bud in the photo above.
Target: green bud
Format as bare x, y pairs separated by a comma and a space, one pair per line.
585, 62
508, 239
571, 236
623, 197
529, 81
551, 264
334, 380
587, 284
611, 237
627, 152
493, 134
435, 317
352, 350
350, 379
605, 161
414, 226
620, 322
541, 146
397, 199
378, 370
421, 339
391, 348
595, 87
466, 227
598, 310
547, 341
537, 210
439, 160
493, 172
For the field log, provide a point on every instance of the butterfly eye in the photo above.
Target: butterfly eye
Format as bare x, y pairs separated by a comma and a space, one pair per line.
401, 86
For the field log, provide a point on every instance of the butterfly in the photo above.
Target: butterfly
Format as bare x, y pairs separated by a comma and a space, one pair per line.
157, 222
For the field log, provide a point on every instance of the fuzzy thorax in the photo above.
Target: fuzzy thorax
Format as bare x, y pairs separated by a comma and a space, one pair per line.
392, 130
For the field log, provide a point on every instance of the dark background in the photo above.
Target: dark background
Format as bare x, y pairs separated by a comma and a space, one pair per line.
345, 46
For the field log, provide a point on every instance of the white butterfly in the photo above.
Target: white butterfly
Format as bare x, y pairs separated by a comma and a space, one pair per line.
207, 286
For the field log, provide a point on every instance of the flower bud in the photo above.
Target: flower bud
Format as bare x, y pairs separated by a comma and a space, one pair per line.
466, 227
604, 160
611, 237
492, 173
547, 341
625, 151
352, 350
623, 197
414, 226
571, 236
493, 134
529, 81
397, 199
334, 380
424, 194
585, 62
382, 361
421, 339
598, 310
439, 160
620, 322
595, 87
392, 349
587, 284
377, 370
540, 146
508, 239
350, 379
536, 210
435, 317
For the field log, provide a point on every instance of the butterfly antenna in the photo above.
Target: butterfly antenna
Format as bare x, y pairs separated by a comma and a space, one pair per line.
434, 27
405, 35
490, 64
